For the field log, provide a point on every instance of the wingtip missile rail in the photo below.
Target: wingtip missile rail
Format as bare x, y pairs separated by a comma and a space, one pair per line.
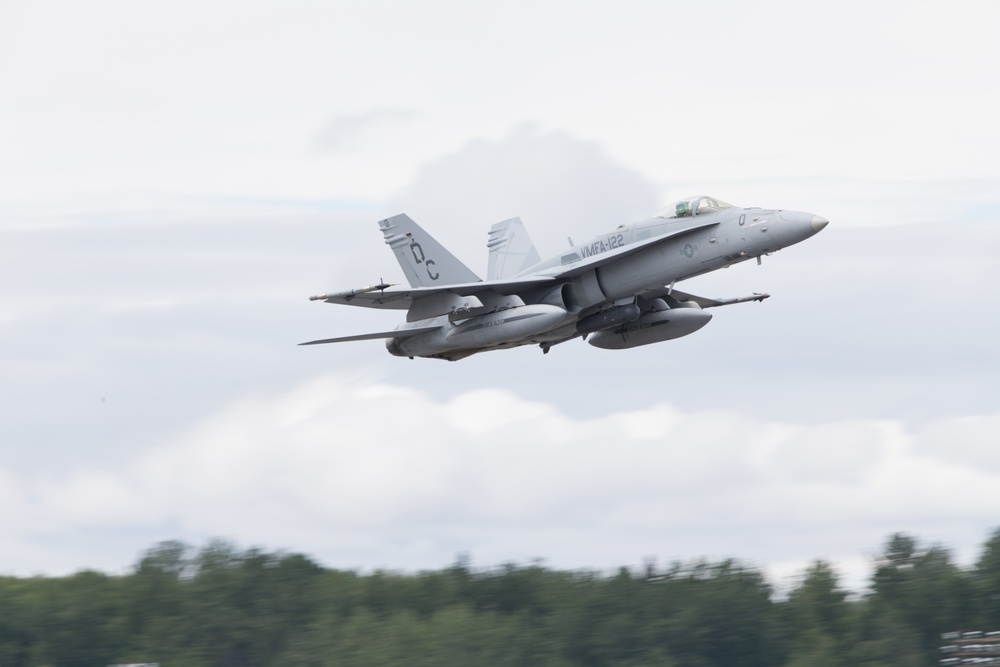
756, 296
351, 293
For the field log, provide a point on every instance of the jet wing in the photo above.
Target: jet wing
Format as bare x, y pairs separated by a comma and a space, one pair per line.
573, 264
704, 302
400, 299
395, 333
383, 296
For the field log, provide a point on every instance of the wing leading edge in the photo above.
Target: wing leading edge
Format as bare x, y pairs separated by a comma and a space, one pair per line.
400, 299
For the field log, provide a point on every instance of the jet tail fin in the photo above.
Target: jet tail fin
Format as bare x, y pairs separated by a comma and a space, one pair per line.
425, 262
511, 250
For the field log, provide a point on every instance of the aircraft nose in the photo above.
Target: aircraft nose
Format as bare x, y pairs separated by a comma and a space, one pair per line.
806, 223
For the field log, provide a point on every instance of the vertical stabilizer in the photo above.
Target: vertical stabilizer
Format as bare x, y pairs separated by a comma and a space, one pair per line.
425, 261
511, 250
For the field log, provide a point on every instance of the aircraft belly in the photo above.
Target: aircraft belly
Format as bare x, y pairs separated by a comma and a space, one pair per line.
506, 326
423, 345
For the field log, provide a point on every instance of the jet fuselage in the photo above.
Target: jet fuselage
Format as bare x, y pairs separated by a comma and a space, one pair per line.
617, 289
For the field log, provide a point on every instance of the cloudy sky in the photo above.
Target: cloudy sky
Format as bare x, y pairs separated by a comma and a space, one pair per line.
176, 178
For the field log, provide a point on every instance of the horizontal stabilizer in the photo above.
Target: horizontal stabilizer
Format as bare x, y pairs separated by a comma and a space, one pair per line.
395, 333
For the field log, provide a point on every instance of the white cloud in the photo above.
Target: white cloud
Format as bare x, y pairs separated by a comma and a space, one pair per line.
349, 133
357, 472
558, 184
124, 102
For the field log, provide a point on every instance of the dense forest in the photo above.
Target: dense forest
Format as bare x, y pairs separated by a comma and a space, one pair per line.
225, 607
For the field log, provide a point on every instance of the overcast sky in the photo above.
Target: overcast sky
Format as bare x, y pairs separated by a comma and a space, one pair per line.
176, 178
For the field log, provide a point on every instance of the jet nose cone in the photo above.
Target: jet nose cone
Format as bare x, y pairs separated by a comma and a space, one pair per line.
819, 222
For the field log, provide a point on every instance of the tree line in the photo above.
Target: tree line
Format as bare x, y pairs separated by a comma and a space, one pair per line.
221, 606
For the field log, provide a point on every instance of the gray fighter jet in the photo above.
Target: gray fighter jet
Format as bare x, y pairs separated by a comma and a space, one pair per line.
616, 291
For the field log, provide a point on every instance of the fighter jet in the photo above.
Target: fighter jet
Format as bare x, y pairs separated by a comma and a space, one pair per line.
616, 291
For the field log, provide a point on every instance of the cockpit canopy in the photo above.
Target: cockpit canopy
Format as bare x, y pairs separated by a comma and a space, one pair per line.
691, 206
